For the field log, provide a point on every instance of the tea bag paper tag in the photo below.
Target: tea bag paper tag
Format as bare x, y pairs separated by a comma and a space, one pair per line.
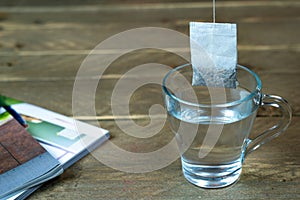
213, 54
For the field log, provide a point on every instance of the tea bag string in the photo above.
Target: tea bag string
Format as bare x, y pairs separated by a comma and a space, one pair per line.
214, 11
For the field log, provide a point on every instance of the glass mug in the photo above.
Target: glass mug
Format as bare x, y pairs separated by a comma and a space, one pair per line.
212, 125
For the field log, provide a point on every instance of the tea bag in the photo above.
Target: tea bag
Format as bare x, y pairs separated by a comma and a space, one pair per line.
213, 54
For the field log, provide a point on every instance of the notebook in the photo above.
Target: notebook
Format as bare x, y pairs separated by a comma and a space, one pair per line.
58, 135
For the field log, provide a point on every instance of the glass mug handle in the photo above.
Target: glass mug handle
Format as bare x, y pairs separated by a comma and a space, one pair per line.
286, 110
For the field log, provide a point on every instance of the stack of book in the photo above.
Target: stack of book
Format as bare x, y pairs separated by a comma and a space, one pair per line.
36, 145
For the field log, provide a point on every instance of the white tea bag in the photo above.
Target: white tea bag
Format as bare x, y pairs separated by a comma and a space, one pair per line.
213, 54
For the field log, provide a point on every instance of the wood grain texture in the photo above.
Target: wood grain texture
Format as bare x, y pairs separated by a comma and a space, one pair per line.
42, 45
54, 35
39, 92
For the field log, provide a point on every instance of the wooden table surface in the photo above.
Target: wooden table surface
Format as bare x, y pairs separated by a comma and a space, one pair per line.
42, 45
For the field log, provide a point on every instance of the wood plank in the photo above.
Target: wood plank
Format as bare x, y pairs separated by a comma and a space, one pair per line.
18, 37
268, 173
92, 2
65, 67
60, 93
35, 67
227, 11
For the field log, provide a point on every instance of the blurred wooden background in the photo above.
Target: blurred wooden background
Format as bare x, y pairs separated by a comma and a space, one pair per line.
43, 43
